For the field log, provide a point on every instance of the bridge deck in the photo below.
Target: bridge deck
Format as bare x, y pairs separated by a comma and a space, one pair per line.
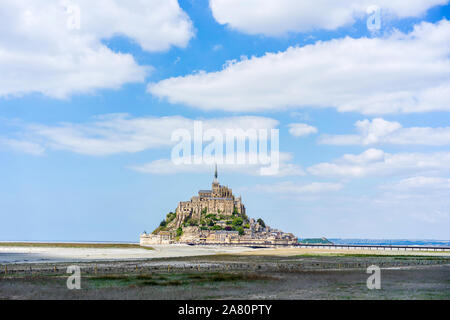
334, 246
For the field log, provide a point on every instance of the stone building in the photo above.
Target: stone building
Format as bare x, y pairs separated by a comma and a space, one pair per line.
218, 200
214, 216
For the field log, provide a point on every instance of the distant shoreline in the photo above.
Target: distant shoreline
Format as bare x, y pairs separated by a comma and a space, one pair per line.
90, 245
135, 244
393, 242
68, 241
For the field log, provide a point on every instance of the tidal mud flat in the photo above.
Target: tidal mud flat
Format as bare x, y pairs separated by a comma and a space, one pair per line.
46, 253
235, 275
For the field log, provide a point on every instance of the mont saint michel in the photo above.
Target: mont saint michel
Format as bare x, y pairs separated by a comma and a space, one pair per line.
213, 217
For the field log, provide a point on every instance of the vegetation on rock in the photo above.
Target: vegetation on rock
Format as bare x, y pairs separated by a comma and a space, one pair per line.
207, 221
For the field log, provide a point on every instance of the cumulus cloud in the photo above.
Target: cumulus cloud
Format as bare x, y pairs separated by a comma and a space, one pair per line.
400, 73
380, 131
55, 47
375, 162
301, 129
275, 18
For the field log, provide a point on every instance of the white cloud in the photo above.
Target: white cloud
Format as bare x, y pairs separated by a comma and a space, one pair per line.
120, 133
427, 197
420, 182
44, 50
380, 131
374, 162
274, 18
290, 188
22, 146
166, 166
400, 73
432, 216
301, 129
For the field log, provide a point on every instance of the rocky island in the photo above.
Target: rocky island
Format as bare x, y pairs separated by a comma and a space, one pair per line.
214, 216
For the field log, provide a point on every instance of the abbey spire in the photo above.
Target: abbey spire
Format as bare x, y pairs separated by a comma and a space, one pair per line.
215, 174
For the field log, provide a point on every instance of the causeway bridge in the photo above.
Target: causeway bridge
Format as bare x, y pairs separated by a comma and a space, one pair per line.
332, 246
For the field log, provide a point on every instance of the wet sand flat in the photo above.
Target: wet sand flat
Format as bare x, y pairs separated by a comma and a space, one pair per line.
36, 254
18, 254
234, 276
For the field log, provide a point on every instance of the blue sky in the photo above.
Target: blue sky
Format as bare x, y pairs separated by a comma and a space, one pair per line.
82, 107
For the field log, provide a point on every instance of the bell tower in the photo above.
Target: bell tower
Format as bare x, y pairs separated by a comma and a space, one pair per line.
215, 184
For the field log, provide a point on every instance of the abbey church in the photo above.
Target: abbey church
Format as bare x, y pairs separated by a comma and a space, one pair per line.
218, 200
214, 216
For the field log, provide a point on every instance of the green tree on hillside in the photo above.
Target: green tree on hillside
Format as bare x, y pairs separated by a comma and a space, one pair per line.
261, 222
238, 221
